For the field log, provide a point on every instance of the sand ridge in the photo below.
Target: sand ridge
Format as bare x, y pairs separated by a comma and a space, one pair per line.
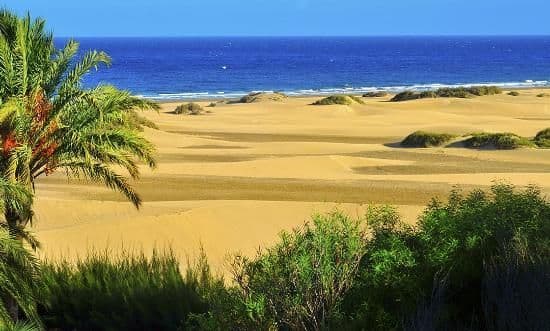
232, 179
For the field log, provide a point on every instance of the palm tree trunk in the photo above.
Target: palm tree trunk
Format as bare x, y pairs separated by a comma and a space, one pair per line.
14, 222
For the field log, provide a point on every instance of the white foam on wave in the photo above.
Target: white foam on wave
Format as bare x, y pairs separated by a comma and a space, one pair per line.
341, 90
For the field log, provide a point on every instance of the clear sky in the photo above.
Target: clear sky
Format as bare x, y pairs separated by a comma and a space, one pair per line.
288, 17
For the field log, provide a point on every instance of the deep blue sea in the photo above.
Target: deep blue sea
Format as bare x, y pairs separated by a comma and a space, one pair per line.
179, 68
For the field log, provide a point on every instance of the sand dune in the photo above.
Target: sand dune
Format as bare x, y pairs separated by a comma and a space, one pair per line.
236, 177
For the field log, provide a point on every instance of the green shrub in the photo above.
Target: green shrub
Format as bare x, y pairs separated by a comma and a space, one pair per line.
129, 292
405, 96
439, 273
188, 109
542, 139
496, 140
300, 282
136, 121
448, 92
469, 231
338, 100
513, 93
541, 95
426, 139
263, 96
376, 94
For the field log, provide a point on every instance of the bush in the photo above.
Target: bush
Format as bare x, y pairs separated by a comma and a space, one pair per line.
338, 100
426, 139
212, 104
496, 140
441, 274
189, 109
405, 96
263, 96
542, 139
541, 95
448, 92
468, 232
125, 293
136, 121
376, 94
513, 93
300, 282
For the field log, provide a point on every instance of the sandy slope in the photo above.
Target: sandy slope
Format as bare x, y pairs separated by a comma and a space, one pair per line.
234, 178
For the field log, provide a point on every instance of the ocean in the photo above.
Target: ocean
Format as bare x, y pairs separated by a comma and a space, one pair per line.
225, 67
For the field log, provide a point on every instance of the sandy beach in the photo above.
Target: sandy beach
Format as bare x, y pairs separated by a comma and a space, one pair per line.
232, 179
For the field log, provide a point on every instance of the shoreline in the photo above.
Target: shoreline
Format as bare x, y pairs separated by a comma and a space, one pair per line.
321, 95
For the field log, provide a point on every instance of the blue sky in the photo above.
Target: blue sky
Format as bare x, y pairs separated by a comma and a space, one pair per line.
289, 17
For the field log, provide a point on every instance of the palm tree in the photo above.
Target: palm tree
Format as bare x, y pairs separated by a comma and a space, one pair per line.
49, 121
18, 268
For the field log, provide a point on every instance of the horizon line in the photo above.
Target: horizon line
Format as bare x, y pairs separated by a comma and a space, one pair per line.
305, 36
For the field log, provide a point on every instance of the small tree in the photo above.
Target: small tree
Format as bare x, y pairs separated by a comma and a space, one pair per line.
300, 282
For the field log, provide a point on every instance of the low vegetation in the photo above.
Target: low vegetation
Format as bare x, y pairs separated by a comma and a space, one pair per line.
338, 100
424, 139
542, 139
479, 261
263, 96
128, 292
136, 121
448, 92
542, 95
514, 93
497, 140
189, 109
376, 94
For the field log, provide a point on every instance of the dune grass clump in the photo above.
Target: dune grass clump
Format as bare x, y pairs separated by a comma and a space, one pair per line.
338, 100
263, 96
424, 139
542, 95
513, 93
410, 95
189, 109
448, 92
376, 94
504, 140
126, 292
138, 122
542, 139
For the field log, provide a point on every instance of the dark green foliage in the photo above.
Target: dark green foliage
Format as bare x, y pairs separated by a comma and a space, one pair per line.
377, 94
125, 293
461, 236
448, 92
188, 109
404, 96
497, 140
513, 93
19, 281
442, 273
514, 286
542, 139
338, 100
426, 139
